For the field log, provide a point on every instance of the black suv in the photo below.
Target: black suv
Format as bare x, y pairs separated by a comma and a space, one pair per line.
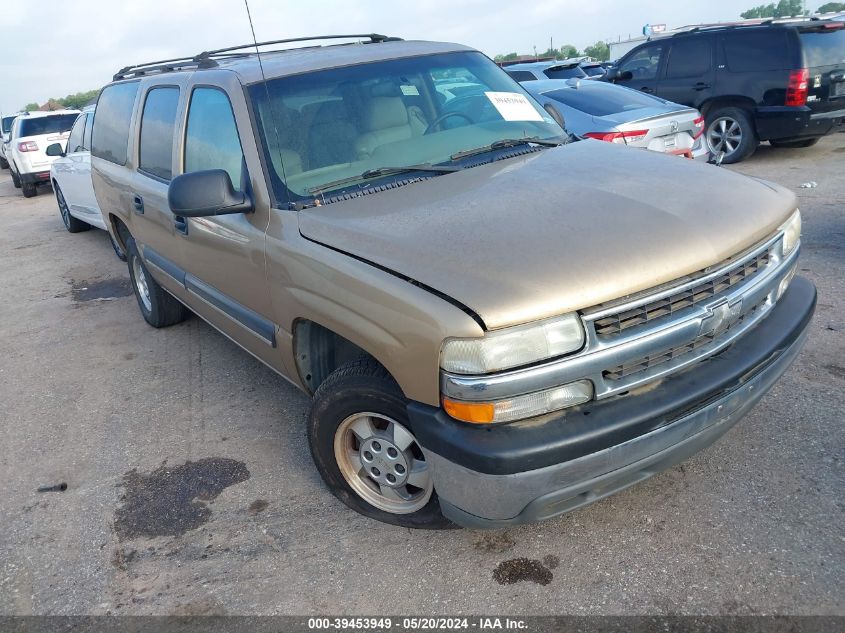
777, 82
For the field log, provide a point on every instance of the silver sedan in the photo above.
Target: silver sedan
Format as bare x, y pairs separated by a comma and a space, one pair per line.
607, 112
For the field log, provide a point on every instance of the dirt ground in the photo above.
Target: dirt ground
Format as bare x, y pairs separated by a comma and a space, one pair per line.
190, 489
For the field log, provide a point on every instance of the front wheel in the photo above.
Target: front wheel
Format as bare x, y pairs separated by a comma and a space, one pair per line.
362, 445
158, 307
730, 130
72, 224
4, 164
16, 180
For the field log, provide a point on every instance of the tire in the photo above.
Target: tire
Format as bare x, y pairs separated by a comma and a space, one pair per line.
732, 130
16, 180
807, 142
117, 249
362, 394
29, 189
4, 164
158, 307
72, 224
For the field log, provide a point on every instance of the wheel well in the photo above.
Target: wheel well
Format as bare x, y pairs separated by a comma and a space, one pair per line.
319, 351
727, 102
120, 231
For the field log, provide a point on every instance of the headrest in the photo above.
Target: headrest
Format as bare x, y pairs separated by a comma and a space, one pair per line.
386, 112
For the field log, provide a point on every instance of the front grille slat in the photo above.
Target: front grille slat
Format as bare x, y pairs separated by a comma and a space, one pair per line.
615, 324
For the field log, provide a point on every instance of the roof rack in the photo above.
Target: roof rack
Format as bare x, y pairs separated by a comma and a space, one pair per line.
206, 58
811, 21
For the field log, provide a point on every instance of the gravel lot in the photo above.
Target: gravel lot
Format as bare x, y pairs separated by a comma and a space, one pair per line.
91, 395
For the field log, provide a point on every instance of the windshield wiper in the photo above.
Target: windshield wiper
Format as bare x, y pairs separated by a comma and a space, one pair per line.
505, 143
384, 171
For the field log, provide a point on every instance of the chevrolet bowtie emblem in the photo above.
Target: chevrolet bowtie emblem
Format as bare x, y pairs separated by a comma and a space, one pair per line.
720, 316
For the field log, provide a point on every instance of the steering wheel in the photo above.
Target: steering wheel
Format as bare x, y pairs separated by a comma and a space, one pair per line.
436, 123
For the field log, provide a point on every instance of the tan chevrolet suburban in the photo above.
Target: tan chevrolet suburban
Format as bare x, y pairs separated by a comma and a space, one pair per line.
498, 322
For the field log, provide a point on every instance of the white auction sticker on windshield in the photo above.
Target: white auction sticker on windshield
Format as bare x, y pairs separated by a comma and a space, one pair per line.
514, 106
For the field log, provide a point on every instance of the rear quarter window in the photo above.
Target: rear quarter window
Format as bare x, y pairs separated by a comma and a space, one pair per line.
756, 51
110, 136
826, 48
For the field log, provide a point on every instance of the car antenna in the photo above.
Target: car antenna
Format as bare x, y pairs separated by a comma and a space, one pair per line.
267, 93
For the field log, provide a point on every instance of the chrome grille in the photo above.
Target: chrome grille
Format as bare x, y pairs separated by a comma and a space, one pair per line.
652, 360
615, 324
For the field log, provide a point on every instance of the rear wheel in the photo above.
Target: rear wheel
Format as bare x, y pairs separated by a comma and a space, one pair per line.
158, 307
730, 130
72, 224
364, 450
29, 189
807, 142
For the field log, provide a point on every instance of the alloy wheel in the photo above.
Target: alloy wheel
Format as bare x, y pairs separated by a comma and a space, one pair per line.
141, 283
383, 463
724, 135
63, 207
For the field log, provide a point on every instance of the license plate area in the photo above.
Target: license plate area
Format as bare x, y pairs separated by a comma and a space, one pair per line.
837, 89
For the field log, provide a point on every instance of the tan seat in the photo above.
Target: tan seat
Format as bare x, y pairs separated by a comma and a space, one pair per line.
387, 121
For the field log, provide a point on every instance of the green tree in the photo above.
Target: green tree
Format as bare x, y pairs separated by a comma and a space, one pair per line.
505, 58
783, 8
567, 51
29, 107
599, 50
831, 6
79, 99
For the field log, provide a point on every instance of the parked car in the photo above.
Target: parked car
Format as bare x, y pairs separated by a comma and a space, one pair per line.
31, 133
778, 82
5, 133
605, 112
535, 71
70, 175
491, 333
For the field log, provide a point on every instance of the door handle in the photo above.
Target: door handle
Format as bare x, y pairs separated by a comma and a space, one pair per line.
181, 224
138, 203
646, 89
701, 86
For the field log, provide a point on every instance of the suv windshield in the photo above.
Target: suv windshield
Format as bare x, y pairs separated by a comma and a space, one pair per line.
329, 126
7, 124
47, 124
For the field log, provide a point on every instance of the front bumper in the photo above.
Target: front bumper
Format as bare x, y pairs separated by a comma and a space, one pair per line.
536, 469
782, 122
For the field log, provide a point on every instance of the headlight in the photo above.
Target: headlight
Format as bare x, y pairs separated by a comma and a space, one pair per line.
791, 232
513, 346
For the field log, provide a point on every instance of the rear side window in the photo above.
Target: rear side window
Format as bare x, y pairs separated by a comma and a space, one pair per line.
211, 139
826, 48
691, 57
157, 124
111, 125
75, 140
565, 73
521, 75
46, 124
89, 126
596, 101
754, 51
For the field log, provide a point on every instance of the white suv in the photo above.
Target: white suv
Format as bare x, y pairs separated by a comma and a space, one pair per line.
26, 153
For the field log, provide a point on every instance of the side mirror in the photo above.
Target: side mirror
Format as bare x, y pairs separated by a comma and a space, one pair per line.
555, 114
204, 193
626, 75
55, 150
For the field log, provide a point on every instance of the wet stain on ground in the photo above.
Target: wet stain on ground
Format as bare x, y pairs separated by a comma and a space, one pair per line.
494, 542
517, 570
103, 289
259, 505
170, 500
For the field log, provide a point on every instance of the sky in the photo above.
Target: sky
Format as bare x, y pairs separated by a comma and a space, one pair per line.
52, 48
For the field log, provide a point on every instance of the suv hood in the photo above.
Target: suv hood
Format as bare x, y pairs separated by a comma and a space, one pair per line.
557, 230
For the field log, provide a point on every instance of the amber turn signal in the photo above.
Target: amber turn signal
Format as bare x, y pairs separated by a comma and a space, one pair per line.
475, 412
